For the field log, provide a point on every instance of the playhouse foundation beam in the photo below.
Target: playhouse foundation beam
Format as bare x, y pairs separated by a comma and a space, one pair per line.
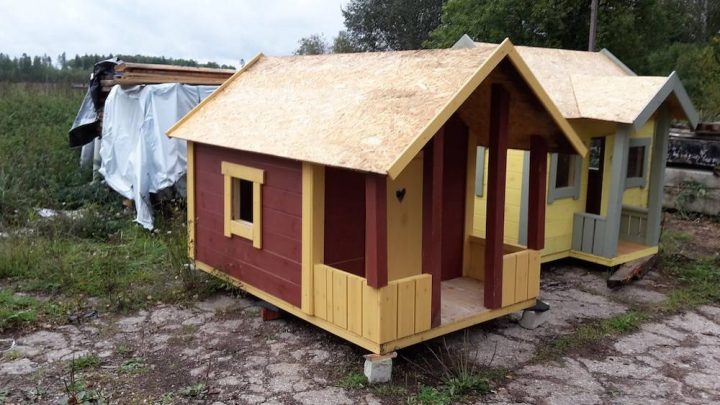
378, 367
494, 230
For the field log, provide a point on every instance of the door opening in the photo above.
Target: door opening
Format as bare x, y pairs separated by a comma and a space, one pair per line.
596, 168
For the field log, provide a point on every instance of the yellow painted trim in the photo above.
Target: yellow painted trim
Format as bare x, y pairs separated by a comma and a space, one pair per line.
505, 49
554, 256
243, 172
539, 91
617, 260
471, 172
213, 94
313, 230
290, 308
243, 229
452, 327
190, 199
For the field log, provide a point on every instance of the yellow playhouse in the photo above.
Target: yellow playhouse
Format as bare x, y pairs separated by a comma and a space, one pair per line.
604, 208
340, 188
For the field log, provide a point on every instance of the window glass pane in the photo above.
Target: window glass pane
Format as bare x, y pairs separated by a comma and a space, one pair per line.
245, 198
565, 172
595, 153
636, 160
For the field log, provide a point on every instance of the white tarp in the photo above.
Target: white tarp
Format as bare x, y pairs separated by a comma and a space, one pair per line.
137, 158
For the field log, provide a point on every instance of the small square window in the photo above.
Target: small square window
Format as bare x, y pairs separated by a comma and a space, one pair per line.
243, 202
637, 160
565, 171
564, 176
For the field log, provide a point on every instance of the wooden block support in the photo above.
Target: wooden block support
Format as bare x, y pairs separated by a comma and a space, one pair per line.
495, 223
269, 314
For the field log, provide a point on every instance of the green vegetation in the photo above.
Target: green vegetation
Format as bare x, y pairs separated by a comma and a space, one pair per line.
353, 381
699, 282
590, 333
93, 257
196, 391
85, 362
28, 68
132, 366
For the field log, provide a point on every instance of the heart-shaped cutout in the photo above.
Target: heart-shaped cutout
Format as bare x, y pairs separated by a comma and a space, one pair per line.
400, 194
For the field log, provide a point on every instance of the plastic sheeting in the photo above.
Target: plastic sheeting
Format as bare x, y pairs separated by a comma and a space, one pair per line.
137, 158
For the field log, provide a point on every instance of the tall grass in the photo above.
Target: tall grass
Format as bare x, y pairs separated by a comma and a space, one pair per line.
97, 258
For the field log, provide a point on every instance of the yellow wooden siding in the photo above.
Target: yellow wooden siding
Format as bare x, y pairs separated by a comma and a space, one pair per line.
404, 221
398, 310
513, 193
521, 277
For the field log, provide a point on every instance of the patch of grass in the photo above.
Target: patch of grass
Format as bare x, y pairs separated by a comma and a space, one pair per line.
431, 396
196, 391
698, 281
17, 311
590, 333
133, 366
124, 351
85, 362
354, 381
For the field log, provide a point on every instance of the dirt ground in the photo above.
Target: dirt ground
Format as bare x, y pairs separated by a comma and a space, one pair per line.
219, 351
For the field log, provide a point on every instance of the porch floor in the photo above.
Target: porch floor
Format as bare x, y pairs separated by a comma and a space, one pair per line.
626, 247
461, 298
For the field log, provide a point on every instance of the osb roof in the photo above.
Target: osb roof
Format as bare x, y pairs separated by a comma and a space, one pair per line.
596, 85
366, 111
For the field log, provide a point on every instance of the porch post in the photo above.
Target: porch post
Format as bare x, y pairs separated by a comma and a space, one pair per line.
435, 206
657, 176
495, 223
376, 263
536, 203
618, 173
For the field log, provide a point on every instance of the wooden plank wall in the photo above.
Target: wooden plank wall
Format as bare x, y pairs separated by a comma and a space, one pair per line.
521, 276
398, 310
275, 268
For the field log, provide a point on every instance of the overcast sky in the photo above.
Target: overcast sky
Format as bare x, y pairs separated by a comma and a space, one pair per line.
223, 30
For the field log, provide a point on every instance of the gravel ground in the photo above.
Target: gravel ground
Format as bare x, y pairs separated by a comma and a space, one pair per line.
220, 351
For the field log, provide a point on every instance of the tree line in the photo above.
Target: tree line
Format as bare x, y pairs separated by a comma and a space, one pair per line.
76, 69
652, 37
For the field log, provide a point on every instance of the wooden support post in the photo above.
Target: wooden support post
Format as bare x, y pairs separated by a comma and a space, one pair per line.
436, 225
536, 198
618, 174
313, 230
656, 186
495, 223
376, 259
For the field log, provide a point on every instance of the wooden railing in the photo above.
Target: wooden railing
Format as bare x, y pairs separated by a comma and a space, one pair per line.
348, 302
633, 224
589, 233
521, 270
521, 276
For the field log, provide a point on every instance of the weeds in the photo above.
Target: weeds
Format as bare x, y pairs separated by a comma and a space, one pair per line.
195, 391
133, 366
354, 381
590, 333
17, 311
699, 281
85, 362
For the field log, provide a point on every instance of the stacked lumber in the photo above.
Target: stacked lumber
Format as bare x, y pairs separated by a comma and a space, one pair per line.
131, 74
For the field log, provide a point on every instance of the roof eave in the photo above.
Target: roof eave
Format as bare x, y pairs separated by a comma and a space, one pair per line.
672, 85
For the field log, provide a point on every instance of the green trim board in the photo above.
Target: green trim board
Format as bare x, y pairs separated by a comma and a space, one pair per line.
570, 191
479, 170
657, 176
639, 181
618, 171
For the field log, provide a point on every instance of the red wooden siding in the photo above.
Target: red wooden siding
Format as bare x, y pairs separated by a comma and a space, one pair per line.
276, 267
345, 220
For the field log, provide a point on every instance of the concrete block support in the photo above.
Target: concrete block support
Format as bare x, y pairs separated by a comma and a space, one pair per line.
534, 317
378, 368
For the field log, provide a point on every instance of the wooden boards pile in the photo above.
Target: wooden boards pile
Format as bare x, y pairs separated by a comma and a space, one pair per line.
131, 74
